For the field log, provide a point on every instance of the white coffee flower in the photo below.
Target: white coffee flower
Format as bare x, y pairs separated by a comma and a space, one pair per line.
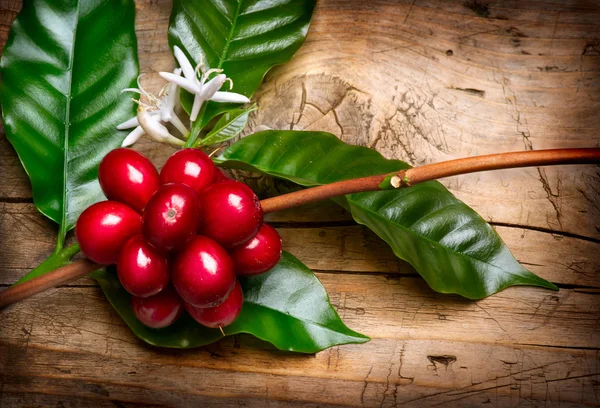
150, 124
162, 109
202, 88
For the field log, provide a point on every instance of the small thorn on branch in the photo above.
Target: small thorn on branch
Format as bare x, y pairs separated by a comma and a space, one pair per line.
396, 182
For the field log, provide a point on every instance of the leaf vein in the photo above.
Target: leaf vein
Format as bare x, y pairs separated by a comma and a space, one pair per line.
307, 321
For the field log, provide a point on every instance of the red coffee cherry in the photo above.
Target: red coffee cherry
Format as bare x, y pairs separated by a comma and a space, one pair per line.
259, 254
221, 176
222, 315
231, 213
171, 217
103, 228
203, 273
142, 270
128, 177
158, 311
191, 167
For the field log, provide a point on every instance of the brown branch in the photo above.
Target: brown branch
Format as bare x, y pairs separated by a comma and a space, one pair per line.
410, 177
60, 276
404, 178
309, 195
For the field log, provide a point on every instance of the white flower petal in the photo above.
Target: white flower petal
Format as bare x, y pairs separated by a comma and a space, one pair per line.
179, 125
229, 97
132, 90
156, 130
184, 63
165, 114
133, 137
152, 127
169, 103
198, 101
128, 124
212, 86
180, 81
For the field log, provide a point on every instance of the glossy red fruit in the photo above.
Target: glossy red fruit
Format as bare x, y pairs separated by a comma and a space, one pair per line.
203, 273
221, 176
259, 254
231, 213
158, 311
191, 167
103, 228
128, 177
171, 217
142, 270
221, 315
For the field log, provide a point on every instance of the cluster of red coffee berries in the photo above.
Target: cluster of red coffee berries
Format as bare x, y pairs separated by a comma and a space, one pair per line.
189, 228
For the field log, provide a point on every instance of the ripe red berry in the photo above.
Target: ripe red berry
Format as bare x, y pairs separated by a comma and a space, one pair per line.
191, 167
128, 177
221, 315
259, 254
203, 273
103, 228
221, 176
158, 311
231, 213
171, 217
142, 270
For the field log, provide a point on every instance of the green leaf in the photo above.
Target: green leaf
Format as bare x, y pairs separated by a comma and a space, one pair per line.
245, 38
63, 68
447, 242
287, 306
229, 126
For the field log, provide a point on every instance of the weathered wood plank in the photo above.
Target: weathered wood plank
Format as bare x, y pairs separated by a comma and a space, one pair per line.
422, 81
27, 238
431, 87
506, 85
64, 397
27, 398
379, 306
383, 372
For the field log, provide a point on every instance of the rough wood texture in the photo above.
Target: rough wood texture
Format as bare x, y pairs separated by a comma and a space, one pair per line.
422, 81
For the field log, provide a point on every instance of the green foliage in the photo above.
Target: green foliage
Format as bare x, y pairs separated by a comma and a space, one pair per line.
286, 306
231, 124
244, 38
447, 242
63, 68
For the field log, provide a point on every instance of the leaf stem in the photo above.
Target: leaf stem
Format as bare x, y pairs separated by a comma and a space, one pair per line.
401, 179
407, 178
54, 261
60, 239
196, 128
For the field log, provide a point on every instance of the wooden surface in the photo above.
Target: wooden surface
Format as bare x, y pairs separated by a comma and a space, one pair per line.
420, 81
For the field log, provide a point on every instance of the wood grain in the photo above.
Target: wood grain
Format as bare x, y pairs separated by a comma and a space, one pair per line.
379, 306
422, 81
389, 82
423, 379
27, 238
69, 346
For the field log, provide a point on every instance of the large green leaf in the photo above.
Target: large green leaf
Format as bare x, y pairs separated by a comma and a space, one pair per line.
447, 242
286, 306
63, 67
245, 38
